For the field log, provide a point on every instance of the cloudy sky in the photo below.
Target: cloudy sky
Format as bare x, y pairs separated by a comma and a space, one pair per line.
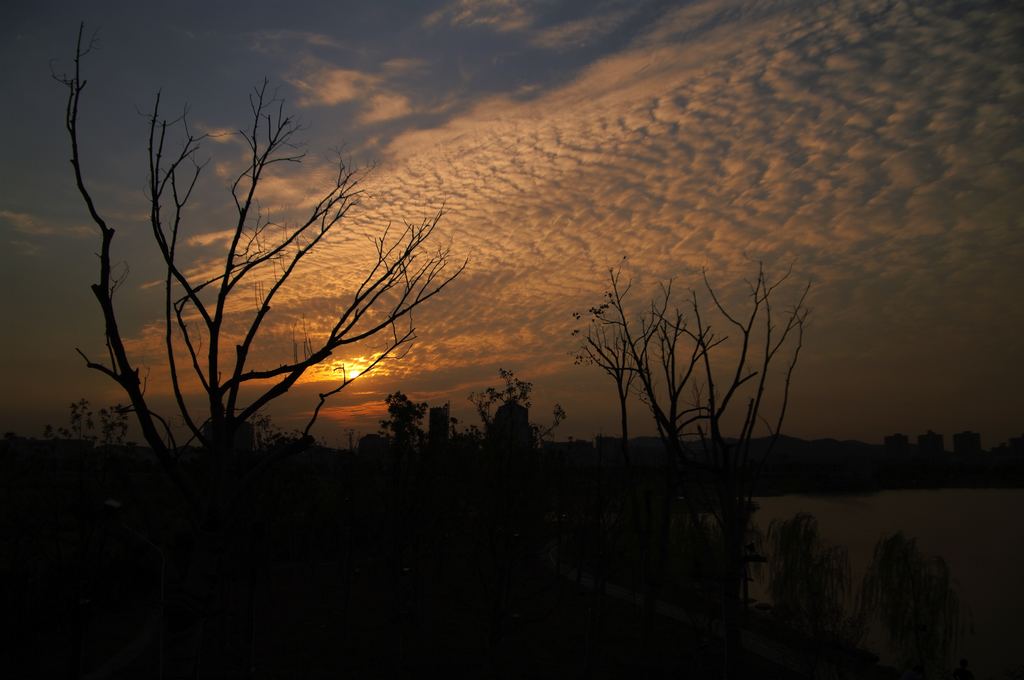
875, 147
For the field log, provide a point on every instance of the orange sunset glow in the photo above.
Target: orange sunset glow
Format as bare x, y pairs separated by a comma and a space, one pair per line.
876, 149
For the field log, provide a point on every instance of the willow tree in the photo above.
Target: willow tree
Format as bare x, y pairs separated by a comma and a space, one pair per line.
810, 586
212, 321
912, 597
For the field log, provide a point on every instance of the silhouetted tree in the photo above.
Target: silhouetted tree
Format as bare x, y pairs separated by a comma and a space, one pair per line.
406, 500
113, 425
76, 533
515, 391
604, 345
912, 596
209, 338
403, 425
810, 588
81, 425
507, 502
691, 387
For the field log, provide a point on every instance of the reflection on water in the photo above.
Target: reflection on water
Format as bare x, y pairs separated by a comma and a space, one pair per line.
979, 532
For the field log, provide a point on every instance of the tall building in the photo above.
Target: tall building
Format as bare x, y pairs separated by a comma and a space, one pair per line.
512, 424
897, 444
1016, 445
437, 426
967, 443
930, 443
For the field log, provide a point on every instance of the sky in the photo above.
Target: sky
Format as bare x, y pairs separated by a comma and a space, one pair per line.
875, 148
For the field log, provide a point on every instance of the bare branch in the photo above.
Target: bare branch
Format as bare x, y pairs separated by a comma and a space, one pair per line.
200, 314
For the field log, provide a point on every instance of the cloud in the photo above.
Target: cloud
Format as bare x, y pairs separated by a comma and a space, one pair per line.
579, 32
31, 225
26, 248
855, 140
386, 107
371, 411
879, 147
221, 135
327, 86
25, 223
322, 84
497, 15
283, 40
210, 238
404, 65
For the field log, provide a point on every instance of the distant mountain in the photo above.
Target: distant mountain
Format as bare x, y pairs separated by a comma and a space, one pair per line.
801, 450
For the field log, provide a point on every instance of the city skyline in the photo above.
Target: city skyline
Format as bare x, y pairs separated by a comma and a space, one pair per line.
876, 149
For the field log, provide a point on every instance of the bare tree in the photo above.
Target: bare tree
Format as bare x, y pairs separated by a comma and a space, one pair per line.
209, 337
604, 344
691, 387
622, 348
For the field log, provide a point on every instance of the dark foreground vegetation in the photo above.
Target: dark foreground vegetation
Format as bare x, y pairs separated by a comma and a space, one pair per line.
428, 557
453, 552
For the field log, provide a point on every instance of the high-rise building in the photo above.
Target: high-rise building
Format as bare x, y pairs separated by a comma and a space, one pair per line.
967, 443
1016, 445
897, 444
930, 443
512, 424
437, 426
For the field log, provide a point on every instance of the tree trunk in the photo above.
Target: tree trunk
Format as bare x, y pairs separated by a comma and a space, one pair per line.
188, 611
732, 605
733, 662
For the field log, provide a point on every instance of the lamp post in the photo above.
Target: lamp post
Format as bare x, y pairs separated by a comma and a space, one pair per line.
113, 507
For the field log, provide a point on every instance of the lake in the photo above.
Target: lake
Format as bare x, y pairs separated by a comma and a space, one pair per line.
979, 532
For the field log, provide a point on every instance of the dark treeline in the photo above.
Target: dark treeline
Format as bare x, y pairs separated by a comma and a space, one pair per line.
831, 466
454, 552
825, 466
469, 551
434, 553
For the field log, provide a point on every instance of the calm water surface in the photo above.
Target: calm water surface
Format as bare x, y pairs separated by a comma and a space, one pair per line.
979, 532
